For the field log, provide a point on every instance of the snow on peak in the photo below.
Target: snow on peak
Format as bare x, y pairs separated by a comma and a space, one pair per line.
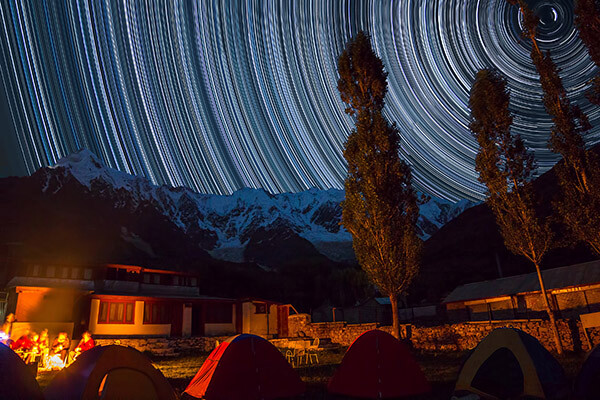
85, 166
313, 214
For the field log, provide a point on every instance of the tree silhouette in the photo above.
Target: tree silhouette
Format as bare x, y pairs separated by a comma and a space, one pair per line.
578, 174
381, 208
506, 168
587, 21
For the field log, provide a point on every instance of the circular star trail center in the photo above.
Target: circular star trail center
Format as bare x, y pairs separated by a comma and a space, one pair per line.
222, 95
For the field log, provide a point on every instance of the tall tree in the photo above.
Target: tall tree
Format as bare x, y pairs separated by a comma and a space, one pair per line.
579, 173
587, 20
506, 168
381, 207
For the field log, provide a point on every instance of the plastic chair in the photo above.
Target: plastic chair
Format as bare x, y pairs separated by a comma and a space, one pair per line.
312, 353
300, 355
290, 356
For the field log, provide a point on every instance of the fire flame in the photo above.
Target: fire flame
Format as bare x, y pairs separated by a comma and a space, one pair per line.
54, 363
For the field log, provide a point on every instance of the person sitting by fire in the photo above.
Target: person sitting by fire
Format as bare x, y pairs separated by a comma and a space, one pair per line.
23, 343
86, 343
25, 347
34, 351
61, 346
6, 330
43, 345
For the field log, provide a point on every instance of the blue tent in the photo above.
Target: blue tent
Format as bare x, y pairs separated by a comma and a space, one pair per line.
17, 382
509, 363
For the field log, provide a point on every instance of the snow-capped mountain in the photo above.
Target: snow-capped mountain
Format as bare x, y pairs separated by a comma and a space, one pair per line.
239, 227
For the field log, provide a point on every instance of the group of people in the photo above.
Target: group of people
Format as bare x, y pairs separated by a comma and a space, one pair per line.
35, 348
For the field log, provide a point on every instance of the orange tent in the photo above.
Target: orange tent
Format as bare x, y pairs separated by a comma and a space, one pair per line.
378, 366
17, 382
245, 367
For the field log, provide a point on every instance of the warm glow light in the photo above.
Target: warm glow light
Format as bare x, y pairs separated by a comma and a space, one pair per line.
54, 363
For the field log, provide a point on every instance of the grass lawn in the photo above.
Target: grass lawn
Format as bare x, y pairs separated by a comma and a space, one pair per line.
440, 368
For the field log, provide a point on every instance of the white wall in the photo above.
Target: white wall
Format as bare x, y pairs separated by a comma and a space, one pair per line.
256, 324
54, 328
221, 329
137, 328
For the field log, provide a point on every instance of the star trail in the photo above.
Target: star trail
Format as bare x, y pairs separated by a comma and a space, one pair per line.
221, 95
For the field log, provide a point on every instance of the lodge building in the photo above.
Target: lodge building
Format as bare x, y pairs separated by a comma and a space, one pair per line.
116, 300
572, 290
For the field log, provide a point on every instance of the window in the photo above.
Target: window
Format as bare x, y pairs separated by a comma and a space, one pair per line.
65, 273
116, 312
87, 274
219, 313
157, 313
36, 270
261, 308
147, 278
75, 273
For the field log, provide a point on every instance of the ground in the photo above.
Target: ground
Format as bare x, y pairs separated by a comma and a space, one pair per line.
440, 368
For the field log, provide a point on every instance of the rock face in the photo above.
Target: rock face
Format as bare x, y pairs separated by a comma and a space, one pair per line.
250, 225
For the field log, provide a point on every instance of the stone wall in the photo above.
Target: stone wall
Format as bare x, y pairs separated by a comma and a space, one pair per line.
450, 337
166, 346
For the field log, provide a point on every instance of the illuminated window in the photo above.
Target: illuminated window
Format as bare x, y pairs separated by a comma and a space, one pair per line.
116, 312
157, 313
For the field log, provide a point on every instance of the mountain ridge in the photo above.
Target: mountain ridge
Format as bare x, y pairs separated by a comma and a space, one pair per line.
224, 225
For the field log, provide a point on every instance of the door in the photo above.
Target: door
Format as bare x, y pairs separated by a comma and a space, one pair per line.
282, 321
198, 320
176, 318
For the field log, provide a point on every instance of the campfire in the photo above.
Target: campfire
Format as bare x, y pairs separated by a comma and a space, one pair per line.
54, 363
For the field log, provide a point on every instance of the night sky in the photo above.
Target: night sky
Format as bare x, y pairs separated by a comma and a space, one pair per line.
220, 95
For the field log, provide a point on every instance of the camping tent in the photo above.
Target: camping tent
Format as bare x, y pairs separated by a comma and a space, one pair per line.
509, 363
17, 381
110, 372
245, 367
378, 366
587, 384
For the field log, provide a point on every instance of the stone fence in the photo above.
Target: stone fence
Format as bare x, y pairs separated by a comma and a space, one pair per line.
166, 346
450, 337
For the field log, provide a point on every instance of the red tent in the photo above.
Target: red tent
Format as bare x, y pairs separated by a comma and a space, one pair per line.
378, 366
245, 367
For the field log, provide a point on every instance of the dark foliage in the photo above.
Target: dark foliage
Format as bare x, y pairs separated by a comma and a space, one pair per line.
506, 168
578, 204
380, 210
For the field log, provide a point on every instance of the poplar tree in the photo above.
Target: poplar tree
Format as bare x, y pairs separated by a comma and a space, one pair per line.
506, 167
381, 207
587, 21
578, 174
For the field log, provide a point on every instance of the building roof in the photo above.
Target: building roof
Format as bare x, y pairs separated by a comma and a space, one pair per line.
32, 281
159, 296
384, 301
557, 278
